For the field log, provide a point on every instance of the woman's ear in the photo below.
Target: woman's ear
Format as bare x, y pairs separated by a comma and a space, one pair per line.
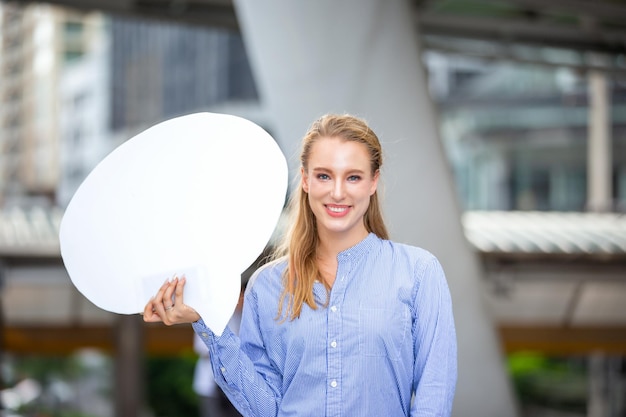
375, 182
305, 180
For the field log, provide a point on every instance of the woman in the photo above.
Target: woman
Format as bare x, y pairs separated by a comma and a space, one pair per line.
343, 321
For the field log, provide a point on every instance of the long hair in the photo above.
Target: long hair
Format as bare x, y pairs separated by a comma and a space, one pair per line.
300, 242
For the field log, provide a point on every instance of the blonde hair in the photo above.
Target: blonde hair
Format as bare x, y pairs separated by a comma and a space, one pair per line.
299, 244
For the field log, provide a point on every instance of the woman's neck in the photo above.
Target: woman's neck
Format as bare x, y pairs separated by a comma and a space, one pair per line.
330, 245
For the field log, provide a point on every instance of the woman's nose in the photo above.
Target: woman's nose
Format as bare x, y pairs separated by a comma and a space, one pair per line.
338, 191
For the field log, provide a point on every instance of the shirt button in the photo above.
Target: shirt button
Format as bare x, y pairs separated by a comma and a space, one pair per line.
333, 344
205, 335
333, 383
333, 309
223, 369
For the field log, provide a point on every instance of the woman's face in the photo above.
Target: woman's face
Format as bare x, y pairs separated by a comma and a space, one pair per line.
339, 183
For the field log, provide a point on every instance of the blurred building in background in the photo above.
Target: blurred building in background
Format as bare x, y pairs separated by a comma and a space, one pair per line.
76, 84
38, 42
552, 238
84, 104
160, 70
518, 133
141, 72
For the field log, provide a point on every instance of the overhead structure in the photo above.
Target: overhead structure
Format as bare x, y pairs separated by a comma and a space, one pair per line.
491, 29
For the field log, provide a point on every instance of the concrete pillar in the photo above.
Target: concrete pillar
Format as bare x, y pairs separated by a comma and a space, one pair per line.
129, 356
2, 331
363, 57
599, 153
597, 403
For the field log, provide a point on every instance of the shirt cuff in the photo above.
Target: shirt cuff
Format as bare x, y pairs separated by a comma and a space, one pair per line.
203, 331
224, 349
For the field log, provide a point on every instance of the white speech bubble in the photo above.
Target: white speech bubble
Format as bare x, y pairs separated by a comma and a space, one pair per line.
198, 195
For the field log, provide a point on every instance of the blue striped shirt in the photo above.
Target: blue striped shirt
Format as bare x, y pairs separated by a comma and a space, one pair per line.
385, 345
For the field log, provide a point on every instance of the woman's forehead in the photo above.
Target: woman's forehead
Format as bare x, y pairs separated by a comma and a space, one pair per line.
338, 153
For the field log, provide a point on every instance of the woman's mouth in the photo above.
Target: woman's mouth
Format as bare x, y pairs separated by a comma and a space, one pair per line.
336, 211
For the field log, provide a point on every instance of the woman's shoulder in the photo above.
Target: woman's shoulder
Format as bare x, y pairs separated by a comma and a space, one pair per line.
410, 252
269, 275
417, 261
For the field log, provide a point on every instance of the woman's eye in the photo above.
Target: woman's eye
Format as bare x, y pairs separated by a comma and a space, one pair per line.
322, 177
353, 178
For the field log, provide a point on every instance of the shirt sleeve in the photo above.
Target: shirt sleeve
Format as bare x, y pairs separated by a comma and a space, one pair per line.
434, 338
241, 367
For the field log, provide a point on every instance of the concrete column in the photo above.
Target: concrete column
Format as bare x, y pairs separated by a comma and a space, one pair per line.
597, 404
599, 153
2, 331
363, 57
129, 388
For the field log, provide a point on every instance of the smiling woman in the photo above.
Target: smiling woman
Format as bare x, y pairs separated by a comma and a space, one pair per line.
336, 205
339, 184
343, 321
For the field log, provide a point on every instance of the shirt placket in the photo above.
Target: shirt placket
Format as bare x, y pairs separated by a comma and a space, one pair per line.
334, 339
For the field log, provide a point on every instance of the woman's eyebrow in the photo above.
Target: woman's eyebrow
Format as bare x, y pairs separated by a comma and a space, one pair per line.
350, 171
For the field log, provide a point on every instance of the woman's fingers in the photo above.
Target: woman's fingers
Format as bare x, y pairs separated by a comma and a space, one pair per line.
168, 294
168, 305
181, 312
155, 310
180, 286
149, 313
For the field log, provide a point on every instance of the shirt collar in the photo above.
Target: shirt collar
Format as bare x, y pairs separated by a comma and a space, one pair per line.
361, 249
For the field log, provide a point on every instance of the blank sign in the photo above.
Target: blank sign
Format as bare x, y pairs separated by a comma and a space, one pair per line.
198, 195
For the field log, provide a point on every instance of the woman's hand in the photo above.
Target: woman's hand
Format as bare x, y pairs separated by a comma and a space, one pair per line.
167, 305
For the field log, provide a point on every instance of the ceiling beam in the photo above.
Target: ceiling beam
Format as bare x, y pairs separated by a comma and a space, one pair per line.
58, 339
500, 53
562, 340
586, 33
174, 340
214, 13
510, 31
609, 11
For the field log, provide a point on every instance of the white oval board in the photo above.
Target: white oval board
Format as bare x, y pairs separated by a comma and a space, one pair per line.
198, 195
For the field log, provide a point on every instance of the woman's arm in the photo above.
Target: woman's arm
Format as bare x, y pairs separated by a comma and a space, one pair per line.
434, 336
241, 369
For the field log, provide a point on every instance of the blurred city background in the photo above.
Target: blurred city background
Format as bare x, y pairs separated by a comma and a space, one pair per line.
530, 103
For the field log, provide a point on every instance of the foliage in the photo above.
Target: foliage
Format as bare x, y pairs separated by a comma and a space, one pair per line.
43, 412
57, 378
556, 383
169, 385
42, 368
